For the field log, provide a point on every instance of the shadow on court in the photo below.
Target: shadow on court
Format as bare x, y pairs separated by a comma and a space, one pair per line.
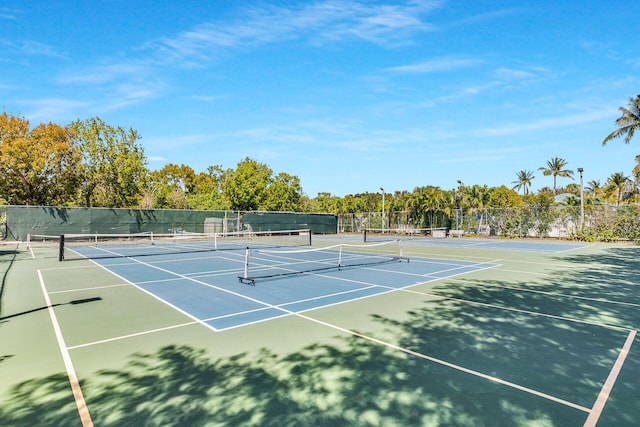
355, 382
7, 258
35, 310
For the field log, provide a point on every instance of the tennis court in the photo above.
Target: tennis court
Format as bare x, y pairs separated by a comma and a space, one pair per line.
413, 332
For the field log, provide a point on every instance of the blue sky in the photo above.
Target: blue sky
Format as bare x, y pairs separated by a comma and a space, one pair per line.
350, 96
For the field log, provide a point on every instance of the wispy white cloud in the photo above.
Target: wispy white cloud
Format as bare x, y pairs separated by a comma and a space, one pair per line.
105, 73
9, 14
55, 109
121, 83
546, 123
114, 86
488, 16
319, 22
32, 48
437, 65
493, 154
156, 159
126, 95
208, 98
513, 74
70, 108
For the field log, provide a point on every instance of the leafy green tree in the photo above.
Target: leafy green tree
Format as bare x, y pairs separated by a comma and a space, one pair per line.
594, 189
476, 199
523, 181
245, 188
555, 167
326, 202
206, 192
546, 191
12, 127
37, 166
628, 123
283, 194
176, 176
544, 216
616, 185
398, 205
113, 165
430, 205
170, 187
503, 197
14, 135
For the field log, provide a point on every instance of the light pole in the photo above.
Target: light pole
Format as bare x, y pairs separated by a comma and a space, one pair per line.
382, 189
580, 170
458, 203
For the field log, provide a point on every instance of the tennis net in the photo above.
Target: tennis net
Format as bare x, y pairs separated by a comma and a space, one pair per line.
93, 246
381, 235
269, 264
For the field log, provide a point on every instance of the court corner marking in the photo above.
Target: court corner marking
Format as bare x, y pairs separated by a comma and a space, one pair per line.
603, 396
81, 404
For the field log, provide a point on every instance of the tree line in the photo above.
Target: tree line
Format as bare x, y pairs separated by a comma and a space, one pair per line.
90, 163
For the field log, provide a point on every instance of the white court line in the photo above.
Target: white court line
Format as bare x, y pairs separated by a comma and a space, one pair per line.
81, 404
396, 347
137, 334
519, 310
532, 273
448, 364
189, 315
573, 249
603, 396
237, 313
402, 349
267, 306
555, 294
90, 289
388, 289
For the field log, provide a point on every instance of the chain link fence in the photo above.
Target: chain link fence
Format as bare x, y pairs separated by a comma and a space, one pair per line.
597, 223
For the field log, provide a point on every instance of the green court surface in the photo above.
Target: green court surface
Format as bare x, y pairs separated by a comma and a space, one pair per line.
486, 335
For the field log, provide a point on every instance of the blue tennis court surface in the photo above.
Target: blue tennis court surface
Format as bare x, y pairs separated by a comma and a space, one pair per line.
206, 286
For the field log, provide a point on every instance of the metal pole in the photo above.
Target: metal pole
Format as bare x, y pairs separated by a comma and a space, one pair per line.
247, 256
382, 189
581, 200
458, 204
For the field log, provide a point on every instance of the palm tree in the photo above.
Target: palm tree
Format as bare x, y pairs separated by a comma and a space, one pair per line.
524, 178
628, 123
616, 184
476, 198
595, 188
636, 169
555, 167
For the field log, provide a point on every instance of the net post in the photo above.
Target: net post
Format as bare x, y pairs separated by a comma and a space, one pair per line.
61, 248
152, 242
340, 257
310, 233
28, 240
365, 235
247, 254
